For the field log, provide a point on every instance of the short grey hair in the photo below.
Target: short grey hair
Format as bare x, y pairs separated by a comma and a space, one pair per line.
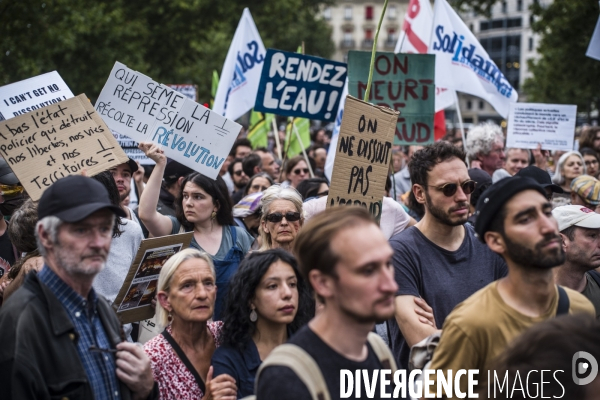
166, 276
481, 139
273, 193
50, 224
506, 151
558, 177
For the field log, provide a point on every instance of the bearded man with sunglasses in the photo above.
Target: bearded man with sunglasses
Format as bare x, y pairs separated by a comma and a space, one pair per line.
439, 260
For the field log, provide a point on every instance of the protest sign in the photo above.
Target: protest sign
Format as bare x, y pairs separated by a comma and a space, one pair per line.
552, 125
45, 145
296, 85
402, 82
363, 156
187, 89
130, 147
593, 50
134, 105
32, 94
133, 303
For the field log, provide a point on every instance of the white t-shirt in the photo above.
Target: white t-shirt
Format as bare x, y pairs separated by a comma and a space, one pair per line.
393, 217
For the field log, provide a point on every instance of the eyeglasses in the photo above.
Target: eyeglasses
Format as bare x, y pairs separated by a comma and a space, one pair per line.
303, 170
238, 173
449, 189
591, 162
289, 216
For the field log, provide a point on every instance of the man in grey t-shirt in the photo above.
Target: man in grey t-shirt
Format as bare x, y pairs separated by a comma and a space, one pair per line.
439, 260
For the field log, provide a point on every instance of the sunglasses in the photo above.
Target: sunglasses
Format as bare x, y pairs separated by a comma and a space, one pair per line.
238, 173
303, 170
289, 217
449, 189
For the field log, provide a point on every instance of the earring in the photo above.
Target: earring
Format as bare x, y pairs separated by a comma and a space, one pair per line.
213, 215
253, 316
169, 317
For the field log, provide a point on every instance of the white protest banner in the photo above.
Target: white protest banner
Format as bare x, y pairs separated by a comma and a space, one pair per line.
187, 89
552, 125
45, 145
462, 64
415, 37
364, 152
240, 76
32, 94
134, 105
593, 50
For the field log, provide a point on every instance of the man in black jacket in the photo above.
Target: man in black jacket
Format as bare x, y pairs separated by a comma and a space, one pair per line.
59, 339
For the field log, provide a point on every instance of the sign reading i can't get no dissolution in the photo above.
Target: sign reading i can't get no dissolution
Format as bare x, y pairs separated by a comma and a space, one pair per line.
134, 105
402, 82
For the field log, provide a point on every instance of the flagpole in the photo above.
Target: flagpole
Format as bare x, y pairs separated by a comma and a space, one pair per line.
277, 143
460, 122
371, 68
312, 175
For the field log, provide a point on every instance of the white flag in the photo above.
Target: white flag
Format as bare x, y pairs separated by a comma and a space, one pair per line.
240, 76
414, 38
336, 133
462, 64
593, 50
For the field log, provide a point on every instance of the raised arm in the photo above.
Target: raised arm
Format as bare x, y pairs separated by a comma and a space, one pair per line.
157, 224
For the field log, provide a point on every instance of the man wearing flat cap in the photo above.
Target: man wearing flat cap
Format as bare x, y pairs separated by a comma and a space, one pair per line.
59, 339
514, 218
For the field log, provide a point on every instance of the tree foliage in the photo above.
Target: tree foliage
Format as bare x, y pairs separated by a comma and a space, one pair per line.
564, 74
175, 41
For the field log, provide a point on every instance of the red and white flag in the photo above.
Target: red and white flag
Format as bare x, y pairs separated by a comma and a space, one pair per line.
415, 37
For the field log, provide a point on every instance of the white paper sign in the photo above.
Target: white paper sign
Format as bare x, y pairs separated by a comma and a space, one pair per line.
32, 94
593, 50
552, 125
134, 105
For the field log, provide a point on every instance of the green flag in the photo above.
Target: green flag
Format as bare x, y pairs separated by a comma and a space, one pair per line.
258, 131
292, 145
215, 85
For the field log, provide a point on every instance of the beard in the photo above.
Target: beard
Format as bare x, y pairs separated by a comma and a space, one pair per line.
444, 216
535, 258
124, 195
74, 265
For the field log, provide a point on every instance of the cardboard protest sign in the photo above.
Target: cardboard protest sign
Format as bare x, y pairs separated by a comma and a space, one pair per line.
134, 105
133, 303
552, 125
297, 85
363, 155
32, 94
45, 145
187, 89
402, 82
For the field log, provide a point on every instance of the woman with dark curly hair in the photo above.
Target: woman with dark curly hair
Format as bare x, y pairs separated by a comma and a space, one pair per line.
267, 302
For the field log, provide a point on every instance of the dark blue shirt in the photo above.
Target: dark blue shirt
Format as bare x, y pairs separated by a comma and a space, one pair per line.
441, 277
240, 365
100, 367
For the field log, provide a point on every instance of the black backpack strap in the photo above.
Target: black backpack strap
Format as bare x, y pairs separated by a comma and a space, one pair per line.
595, 275
563, 302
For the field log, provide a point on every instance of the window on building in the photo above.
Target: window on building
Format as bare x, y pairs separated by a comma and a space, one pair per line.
327, 13
471, 27
484, 25
369, 13
519, 5
347, 36
513, 22
348, 12
469, 104
481, 105
530, 46
369, 34
392, 35
392, 12
504, 7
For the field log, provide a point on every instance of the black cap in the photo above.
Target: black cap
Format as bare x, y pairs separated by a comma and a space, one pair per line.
74, 198
133, 165
483, 179
541, 177
175, 170
494, 198
7, 177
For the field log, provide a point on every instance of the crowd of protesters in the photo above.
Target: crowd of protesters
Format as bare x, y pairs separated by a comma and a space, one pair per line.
478, 249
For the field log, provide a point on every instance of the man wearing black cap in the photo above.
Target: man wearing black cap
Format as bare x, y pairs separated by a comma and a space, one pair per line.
59, 339
514, 218
542, 178
438, 260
